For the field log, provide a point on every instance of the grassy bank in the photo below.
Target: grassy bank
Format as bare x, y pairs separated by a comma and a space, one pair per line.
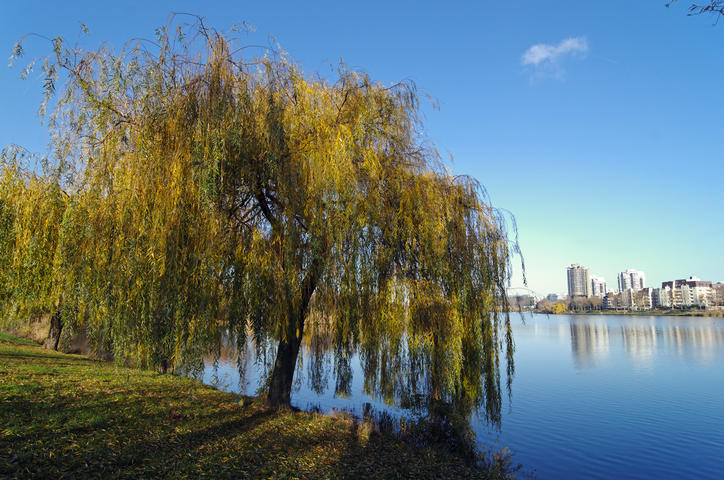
66, 416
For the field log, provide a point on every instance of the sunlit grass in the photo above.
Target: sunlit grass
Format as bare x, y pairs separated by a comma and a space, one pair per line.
71, 417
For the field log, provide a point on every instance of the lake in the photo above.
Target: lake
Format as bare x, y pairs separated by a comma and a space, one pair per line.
594, 396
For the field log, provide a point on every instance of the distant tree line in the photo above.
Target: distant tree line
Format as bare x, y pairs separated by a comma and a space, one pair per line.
575, 304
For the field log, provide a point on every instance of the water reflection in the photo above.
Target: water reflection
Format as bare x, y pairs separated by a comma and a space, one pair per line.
639, 343
391, 375
589, 342
383, 373
643, 338
590, 393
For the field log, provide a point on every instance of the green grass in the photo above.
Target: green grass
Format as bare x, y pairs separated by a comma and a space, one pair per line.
66, 416
7, 338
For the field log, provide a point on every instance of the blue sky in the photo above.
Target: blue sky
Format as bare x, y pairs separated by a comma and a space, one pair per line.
608, 150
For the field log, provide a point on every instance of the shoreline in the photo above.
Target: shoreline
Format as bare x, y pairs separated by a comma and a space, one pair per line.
69, 415
642, 313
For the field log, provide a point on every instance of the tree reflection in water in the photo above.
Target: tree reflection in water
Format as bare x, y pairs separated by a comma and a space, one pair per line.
439, 379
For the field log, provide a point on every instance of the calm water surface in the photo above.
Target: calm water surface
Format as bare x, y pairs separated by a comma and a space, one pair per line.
601, 397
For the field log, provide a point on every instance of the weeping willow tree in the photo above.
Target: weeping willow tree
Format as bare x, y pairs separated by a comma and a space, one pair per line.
210, 191
31, 209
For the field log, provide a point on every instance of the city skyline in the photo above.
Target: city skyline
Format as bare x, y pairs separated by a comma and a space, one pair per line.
615, 285
633, 293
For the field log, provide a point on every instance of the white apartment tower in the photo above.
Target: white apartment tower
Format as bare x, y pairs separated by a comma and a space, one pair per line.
579, 281
598, 286
631, 280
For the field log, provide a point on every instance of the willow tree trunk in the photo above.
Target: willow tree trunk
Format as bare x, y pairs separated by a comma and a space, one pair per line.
280, 386
56, 329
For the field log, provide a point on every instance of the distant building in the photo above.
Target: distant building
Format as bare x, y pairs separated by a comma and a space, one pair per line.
661, 297
522, 302
626, 299
643, 299
691, 282
613, 301
598, 286
579, 281
689, 292
556, 297
631, 280
718, 289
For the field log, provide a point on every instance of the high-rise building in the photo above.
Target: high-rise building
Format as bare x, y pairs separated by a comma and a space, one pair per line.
579, 281
631, 280
598, 286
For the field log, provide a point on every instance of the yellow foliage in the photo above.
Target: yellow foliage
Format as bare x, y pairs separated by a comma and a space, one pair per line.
206, 190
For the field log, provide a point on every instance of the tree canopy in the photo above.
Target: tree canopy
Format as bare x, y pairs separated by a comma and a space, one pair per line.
195, 191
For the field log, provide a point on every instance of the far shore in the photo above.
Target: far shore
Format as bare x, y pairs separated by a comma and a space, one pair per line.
645, 313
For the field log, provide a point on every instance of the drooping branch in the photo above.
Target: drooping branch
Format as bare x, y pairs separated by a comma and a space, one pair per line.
715, 7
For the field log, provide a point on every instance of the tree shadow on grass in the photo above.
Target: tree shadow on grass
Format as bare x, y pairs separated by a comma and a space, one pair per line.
149, 429
233, 442
50, 357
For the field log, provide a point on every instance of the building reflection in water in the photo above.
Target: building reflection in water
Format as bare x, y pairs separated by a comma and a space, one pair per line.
640, 341
589, 342
642, 338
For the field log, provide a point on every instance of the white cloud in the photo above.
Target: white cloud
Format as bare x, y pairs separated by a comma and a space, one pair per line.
546, 58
